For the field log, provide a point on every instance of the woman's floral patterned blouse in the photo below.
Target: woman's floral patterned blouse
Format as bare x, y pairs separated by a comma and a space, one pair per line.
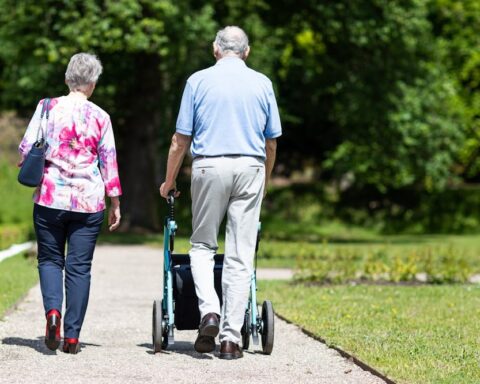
81, 161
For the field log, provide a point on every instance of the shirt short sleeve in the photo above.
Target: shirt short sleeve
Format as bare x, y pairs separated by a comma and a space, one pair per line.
273, 127
186, 115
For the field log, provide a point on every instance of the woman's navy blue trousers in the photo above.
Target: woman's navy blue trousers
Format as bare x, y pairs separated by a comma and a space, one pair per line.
55, 229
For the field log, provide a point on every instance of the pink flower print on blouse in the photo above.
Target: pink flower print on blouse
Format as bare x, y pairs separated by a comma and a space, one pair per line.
47, 191
74, 202
69, 143
113, 187
90, 145
108, 161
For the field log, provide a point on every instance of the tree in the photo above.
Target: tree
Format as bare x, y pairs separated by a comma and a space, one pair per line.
456, 25
367, 94
147, 49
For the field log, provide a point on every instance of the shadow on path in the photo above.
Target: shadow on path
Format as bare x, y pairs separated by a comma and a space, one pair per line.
180, 347
38, 344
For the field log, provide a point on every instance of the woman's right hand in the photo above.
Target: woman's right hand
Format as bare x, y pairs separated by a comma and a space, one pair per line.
114, 214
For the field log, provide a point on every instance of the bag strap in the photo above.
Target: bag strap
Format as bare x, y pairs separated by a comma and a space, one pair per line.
46, 112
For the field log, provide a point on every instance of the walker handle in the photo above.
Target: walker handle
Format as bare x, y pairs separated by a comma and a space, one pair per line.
171, 204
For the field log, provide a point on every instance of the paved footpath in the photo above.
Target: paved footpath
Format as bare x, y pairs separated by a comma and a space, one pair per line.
116, 339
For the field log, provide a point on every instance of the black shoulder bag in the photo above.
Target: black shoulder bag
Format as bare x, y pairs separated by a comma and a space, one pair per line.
31, 172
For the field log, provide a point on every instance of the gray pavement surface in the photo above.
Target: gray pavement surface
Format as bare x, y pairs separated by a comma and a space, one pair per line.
116, 339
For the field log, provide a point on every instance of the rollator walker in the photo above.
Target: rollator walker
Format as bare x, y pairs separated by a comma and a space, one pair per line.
178, 308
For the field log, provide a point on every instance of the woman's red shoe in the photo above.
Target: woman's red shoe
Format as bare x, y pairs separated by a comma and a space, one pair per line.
71, 345
52, 333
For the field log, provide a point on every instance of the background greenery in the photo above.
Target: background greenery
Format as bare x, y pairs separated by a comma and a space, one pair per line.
15, 208
379, 100
17, 275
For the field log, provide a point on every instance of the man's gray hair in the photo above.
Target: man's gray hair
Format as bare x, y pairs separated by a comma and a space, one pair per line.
82, 70
232, 39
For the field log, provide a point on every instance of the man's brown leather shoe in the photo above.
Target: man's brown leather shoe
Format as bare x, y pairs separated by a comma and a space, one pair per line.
207, 331
230, 351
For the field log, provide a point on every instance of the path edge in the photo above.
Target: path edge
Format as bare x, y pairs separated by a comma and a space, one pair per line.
343, 353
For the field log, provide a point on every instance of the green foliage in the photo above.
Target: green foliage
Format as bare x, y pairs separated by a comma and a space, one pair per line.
128, 27
374, 95
453, 210
15, 208
380, 104
14, 234
147, 49
17, 275
314, 212
425, 264
423, 334
16, 200
456, 24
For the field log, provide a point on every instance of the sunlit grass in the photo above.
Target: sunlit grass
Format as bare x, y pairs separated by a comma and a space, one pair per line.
15, 200
17, 275
422, 334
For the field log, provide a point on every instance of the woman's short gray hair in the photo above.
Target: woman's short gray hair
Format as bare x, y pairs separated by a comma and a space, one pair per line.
82, 70
232, 39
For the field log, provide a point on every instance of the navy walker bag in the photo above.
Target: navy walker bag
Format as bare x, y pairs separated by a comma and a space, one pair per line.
31, 172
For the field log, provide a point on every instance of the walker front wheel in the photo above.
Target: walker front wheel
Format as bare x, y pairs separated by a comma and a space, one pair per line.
157, 326
267, 327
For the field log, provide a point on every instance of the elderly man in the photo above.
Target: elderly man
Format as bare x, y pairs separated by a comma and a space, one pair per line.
229, 116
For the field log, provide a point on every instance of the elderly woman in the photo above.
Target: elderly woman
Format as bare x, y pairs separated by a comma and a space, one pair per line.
80, 168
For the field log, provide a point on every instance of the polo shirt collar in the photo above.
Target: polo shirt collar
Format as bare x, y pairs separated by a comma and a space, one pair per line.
230, 60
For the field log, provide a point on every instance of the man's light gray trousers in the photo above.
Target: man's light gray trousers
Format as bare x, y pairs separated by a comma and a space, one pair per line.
231, 185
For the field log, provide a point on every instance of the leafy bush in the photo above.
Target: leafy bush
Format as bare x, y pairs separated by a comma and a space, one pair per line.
14, 234
333, 265
16, 200
454, 210
316, 211
15, 208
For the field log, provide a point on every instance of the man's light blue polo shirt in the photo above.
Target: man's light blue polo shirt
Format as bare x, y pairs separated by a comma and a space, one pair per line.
229, 109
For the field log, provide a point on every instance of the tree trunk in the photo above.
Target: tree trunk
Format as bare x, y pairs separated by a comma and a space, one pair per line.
139, 152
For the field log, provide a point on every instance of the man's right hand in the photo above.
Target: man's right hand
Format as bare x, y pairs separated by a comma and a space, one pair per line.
167, 187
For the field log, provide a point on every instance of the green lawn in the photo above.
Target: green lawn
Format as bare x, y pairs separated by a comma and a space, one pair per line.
15, 200
15, 208
421, 334
17, 275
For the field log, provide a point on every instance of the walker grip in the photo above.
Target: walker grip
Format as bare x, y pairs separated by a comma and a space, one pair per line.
171, 204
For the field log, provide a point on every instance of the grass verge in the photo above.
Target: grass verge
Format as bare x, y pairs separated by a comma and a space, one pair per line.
17, 275
15, 208
423, 334
16, 200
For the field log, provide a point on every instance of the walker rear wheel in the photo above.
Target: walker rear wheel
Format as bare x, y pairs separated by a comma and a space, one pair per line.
267, 327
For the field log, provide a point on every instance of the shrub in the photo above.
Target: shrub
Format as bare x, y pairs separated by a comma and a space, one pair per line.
14, 234
435, 265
